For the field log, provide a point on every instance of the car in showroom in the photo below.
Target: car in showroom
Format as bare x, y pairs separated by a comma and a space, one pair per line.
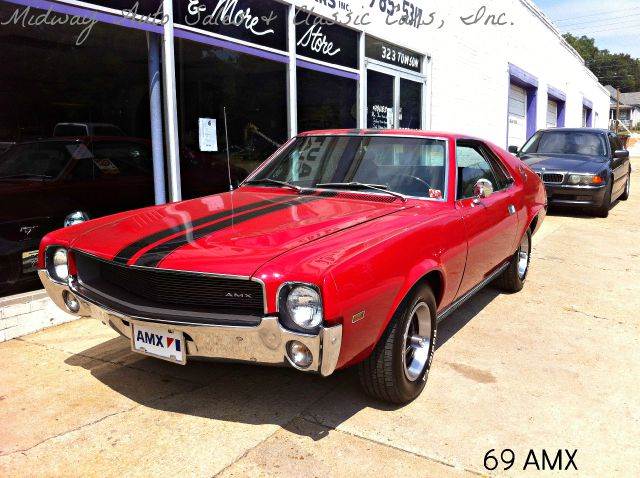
50, 183
345, 248
580, 167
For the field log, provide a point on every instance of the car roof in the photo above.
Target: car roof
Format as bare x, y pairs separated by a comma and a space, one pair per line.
385, 132
579, 130
84, 139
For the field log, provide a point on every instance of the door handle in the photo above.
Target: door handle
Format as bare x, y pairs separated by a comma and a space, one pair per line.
512, 209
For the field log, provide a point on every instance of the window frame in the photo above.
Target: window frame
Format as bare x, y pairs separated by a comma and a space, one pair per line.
490, 157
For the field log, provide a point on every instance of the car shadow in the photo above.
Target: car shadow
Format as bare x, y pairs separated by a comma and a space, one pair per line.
576, 211
247, 394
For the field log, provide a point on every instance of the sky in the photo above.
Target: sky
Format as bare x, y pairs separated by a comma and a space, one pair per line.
615, 24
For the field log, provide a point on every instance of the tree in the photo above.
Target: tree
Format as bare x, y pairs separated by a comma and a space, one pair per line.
617, 69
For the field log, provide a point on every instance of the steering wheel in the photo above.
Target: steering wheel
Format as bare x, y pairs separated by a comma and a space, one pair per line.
419, 185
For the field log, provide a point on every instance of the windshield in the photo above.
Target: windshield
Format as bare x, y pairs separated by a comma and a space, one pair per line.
566, 142
39, 160
409, 166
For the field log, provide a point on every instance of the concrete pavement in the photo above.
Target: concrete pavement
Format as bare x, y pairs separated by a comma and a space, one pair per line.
555, 367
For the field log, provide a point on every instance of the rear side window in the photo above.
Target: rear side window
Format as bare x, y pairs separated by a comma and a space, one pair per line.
475, 161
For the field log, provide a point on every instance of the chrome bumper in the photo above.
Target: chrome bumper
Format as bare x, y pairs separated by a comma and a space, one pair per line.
263, 344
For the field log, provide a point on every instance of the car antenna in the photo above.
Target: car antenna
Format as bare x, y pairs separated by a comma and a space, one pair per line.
226, 140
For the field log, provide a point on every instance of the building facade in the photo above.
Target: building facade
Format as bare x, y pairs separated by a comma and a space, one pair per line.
154, 102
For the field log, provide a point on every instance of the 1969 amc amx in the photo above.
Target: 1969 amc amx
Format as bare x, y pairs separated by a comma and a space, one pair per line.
344, 248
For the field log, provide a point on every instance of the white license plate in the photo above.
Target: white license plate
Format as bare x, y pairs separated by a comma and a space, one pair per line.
159, 342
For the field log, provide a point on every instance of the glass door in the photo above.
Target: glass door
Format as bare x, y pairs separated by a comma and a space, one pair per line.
380, 100
394, 98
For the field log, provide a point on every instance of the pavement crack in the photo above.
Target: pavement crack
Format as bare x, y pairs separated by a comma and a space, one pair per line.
388, 445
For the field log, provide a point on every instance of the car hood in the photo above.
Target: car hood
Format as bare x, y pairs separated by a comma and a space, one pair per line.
569, 164
232, 233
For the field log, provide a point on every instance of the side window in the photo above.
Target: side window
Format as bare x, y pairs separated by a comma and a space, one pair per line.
472, 166
615, 143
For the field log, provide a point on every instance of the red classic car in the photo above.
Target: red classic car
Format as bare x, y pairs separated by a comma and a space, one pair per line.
344, 248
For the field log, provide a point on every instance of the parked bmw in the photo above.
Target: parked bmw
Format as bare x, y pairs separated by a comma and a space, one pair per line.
580, 167
345, 248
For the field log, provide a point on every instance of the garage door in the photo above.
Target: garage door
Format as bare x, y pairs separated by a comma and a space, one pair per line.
552, 114
517, 116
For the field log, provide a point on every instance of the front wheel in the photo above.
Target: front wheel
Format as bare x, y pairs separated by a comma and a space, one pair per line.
627, 187
397, 369
512, 279
603, 209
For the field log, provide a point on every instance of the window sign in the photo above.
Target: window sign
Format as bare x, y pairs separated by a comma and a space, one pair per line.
323, 39
207, 135
263, 22
392, 54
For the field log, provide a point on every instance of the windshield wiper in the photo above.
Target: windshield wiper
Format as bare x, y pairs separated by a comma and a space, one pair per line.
355, 185
283, 184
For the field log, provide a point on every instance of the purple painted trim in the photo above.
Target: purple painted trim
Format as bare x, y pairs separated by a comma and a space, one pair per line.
556, 94
532, 112
587, 103
561, 113
326, 69
229, 45
88, 13
521, 77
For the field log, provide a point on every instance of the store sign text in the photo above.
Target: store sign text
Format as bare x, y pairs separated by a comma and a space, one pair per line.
226, 12
317, 41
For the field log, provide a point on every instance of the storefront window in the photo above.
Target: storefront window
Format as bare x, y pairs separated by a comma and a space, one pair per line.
253, 92
410, 104
74, 128
379, 100
325, 101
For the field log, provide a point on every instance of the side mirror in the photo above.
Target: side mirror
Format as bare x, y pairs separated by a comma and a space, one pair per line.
513, 149
481, 190
621, 154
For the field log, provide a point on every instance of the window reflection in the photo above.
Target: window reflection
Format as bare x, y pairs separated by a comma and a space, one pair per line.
253, 92
325, 101
74, 131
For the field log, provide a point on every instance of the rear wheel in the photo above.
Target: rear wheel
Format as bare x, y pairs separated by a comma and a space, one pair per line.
512, 279
603, 210
397, 369
627, 188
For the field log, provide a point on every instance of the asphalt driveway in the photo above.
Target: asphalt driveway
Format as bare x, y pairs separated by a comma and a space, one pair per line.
554, 367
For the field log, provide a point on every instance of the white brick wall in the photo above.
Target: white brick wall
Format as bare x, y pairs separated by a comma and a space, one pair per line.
24, 314
470, 80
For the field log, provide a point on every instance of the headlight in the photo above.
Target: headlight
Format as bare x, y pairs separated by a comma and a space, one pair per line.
60, 264
575, 178
302, 305
585, 179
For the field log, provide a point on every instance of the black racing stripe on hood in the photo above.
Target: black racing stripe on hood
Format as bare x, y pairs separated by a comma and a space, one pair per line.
153, 256
132, 249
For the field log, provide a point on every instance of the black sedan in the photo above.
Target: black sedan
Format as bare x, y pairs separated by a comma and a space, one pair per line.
580, 167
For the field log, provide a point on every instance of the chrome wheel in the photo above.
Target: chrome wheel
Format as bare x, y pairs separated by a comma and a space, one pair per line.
417, 342
523, 256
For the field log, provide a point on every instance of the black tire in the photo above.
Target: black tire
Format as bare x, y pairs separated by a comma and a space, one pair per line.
383, 374
603, 210
627, 187
513, 279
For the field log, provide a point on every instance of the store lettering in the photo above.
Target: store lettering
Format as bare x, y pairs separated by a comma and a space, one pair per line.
226, 12
317, 41
25, 18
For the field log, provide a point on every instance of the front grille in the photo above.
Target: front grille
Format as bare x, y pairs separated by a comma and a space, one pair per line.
170, 295
553, 178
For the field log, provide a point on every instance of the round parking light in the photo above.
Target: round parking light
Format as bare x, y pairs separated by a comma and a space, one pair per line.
299, 354
71, 301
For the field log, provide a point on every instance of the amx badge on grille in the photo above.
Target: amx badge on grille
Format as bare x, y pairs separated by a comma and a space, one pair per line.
238, 295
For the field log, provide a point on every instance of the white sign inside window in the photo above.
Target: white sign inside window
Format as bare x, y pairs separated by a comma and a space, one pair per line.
207, 134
